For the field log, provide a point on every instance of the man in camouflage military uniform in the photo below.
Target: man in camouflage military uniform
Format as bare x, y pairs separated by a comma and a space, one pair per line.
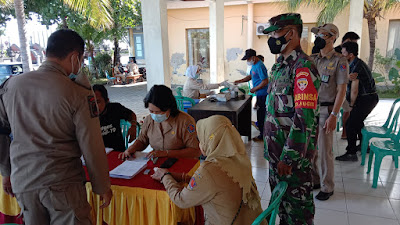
291, 119
333, 69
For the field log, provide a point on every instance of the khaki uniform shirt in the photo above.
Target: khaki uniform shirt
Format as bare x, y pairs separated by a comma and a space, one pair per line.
53, 121
333, 69
177, 133
133, 68
192, 88
219, 196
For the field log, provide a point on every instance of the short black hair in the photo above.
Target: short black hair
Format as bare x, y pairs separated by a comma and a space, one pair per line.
260, 57
103, 91
162, 97
351, 47
350, 35
63, 42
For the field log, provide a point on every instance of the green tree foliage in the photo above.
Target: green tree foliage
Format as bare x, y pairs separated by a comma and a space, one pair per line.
373, 10
126, 13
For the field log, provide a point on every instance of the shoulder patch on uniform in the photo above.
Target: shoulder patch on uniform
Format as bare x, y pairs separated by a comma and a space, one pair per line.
191, 128
192, 183
94, 110
305, 94
343, 67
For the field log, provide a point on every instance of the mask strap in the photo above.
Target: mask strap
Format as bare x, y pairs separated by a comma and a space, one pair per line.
72, 63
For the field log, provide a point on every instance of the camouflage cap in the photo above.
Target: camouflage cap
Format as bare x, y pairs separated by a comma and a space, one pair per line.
280, 21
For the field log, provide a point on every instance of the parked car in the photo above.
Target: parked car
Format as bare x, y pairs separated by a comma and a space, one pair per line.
9, 69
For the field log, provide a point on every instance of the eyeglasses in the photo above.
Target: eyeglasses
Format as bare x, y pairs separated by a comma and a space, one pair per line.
323, 35
274, 32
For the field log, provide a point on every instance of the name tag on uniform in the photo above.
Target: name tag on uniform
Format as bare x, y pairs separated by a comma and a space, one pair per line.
325, 78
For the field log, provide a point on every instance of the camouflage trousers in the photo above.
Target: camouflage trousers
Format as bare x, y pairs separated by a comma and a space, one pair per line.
297, 206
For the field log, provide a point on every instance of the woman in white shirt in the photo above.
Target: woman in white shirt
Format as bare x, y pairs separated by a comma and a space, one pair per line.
192, 87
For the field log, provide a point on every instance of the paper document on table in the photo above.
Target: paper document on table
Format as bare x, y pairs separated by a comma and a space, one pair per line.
130, 168
108, 150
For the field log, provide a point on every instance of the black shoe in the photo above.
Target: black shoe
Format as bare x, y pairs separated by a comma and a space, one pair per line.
323, 196
316, 186
347, 157
258, 138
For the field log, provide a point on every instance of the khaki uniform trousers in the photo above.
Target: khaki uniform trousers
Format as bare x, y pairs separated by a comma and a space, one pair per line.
64, 204
326, 174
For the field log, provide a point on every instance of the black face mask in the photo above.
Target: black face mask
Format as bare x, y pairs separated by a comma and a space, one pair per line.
276, 45
319, 43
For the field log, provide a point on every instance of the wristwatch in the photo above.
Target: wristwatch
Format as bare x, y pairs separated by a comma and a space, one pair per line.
334, 114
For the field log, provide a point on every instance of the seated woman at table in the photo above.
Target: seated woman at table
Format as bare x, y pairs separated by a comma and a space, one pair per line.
170, 132
110, 116
223, 184
192, 87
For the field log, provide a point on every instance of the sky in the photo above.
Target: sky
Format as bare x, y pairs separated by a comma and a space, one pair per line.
36, 32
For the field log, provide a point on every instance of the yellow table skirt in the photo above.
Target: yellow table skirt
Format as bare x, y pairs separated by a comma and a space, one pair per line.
130, 205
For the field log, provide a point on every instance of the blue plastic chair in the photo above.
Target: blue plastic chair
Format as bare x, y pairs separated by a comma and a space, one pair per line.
184, 103
125, 125
273, 208
382, 148
109, 78
384, 131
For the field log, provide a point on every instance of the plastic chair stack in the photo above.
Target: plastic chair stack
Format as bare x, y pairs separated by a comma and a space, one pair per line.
184, 103
273, 207
384, 131
125, 125
382, 148
179, 91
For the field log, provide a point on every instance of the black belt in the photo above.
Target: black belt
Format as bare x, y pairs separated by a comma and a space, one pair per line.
326, 103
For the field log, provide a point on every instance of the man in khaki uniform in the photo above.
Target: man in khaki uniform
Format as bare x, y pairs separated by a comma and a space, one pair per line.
333, 69
54, 121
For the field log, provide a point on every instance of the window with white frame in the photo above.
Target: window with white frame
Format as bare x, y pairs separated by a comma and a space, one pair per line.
199, 47
393, 38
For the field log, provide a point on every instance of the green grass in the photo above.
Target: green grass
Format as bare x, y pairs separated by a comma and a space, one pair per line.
102, 81
388, 94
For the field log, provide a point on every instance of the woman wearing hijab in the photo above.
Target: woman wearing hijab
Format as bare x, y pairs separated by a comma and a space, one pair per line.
223, 184
192, 87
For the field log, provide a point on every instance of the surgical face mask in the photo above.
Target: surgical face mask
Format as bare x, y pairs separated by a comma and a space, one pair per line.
159, 117
250, 63
277, 45
72, 75
197, 76
319, 43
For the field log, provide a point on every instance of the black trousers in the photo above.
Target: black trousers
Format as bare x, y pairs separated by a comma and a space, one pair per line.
261, 113
362, 108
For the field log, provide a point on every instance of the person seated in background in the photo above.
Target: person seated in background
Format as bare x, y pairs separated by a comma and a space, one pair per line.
170, 132
192, 87
223, 185
120, 75
110, 115
132, 67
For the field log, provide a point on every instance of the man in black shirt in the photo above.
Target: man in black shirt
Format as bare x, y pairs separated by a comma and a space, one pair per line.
110, 116
348, 37
361, 95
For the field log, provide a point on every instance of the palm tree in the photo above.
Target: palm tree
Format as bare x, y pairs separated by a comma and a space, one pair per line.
373, 9
98, 12
25, 50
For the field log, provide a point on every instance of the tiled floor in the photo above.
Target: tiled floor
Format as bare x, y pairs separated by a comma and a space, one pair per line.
354, 201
